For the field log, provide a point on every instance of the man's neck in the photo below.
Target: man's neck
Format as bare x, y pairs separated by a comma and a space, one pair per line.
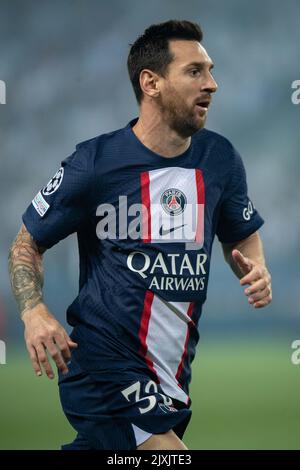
156, 135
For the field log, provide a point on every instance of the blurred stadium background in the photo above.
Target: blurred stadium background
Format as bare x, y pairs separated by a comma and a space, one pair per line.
64, 64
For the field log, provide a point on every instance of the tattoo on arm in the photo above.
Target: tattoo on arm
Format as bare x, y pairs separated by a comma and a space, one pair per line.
26, 271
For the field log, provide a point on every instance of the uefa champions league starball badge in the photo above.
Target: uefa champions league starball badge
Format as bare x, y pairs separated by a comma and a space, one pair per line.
173, 201
54, 183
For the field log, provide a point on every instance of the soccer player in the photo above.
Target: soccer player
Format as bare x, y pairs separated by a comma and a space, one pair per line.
146, 202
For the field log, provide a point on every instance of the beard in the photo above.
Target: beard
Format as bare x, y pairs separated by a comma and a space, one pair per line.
179, 116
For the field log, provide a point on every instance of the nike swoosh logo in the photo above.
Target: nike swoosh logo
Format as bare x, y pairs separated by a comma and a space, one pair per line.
163, 231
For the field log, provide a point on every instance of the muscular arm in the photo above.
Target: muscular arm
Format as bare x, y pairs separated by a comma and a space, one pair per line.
247, 261
42, 331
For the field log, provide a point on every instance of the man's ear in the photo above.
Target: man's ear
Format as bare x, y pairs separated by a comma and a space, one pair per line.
149, 83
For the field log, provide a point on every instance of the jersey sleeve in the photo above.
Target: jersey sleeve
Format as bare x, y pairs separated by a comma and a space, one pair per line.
62, 205
238, 217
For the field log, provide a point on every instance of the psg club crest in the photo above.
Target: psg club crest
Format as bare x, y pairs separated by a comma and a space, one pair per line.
54, 183
173, 201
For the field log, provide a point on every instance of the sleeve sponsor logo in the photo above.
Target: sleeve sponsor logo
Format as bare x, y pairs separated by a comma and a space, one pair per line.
40, 205
248, 211
54, 183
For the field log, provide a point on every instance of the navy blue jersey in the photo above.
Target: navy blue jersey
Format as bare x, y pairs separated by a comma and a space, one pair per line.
145, 226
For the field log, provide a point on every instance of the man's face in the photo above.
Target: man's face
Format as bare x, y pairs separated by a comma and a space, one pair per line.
187, 87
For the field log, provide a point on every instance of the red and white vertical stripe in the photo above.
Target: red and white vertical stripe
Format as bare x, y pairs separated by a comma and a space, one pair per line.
164, 335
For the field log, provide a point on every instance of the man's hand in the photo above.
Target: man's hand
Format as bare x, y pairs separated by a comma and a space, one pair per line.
44, 333
260, 291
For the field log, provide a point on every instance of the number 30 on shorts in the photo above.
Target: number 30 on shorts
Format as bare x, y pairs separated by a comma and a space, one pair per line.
150, 400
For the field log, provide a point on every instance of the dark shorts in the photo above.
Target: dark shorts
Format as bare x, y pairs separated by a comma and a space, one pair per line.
117, 409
